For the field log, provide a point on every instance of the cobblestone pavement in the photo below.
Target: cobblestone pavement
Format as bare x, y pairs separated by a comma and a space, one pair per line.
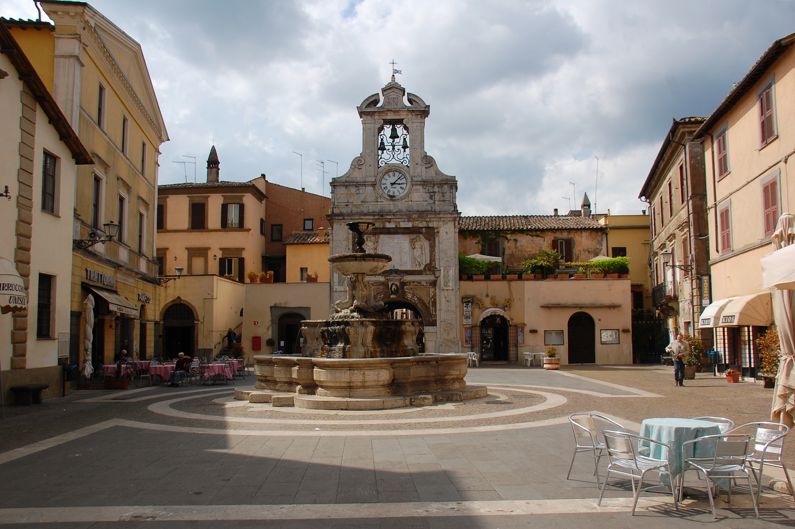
195, 457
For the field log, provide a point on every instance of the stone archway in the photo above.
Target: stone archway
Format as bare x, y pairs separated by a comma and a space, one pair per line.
494, 327
582, 339
179, 330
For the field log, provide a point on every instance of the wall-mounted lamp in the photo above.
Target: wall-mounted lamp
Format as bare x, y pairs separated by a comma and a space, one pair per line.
165, 279
668, 257
6, 193
110, 231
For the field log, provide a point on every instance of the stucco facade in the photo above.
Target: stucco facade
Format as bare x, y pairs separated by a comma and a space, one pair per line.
748, 141
36, 146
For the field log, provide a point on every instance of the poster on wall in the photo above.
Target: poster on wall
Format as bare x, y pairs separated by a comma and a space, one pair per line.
609, 336
553, 337
467, 303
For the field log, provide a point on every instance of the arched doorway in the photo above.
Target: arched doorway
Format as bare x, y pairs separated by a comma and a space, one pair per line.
582, 339
494, 338
179, 330
403, 310
289, 327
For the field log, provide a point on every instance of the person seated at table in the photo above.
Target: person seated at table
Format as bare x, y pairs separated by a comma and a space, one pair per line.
123, 359
181, 369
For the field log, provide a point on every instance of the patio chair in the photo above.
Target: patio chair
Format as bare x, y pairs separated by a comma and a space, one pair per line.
194, 372
725, 424
628, 462
719, 460
768, 445
587, 428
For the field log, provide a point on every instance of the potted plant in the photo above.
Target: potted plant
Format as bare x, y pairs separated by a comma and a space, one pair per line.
266, 277
252, 276
270, 343
544, 262
551, 360
693, 355
732, 375
769, 353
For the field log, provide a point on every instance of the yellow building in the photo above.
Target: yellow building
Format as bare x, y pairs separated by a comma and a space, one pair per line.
307, 256
39, 159
748, 141
628, 236
99, 78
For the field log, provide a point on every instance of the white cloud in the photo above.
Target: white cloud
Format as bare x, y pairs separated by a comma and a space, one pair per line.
524, 94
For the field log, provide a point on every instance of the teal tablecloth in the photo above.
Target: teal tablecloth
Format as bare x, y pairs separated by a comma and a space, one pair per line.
674, 431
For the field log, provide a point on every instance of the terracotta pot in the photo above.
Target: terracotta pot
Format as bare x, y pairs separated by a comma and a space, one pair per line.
562, 276
612, 276
597, 276
690, 372
578, 276
511, 277
551, 363
769, 382
732, 378
478, 277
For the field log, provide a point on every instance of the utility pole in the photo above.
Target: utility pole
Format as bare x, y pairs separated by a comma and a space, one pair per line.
337, 166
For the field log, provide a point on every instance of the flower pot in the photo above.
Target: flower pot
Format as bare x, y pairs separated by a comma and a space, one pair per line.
769, 382
562, 276
578, 276
597, 276
478, 277
511, 277
732, 378
551, 363
690, 372
612, 276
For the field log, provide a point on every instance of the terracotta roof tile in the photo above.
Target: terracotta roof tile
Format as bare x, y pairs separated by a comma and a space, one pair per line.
527, 223
309, 237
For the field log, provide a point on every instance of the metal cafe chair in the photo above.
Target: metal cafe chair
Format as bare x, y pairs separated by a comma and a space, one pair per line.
628, 462
768, 444
719, 460
587, 428
723, 423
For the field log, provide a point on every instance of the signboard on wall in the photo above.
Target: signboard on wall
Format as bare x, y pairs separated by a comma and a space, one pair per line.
467, 304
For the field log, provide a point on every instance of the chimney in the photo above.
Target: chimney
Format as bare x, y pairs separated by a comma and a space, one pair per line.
555, 212
213, 166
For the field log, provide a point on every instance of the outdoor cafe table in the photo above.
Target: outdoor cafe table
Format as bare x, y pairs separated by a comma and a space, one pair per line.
213, 371
673, 431
109, 370
161, 370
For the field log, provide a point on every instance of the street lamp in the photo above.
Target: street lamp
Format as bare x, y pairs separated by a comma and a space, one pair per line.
165, 279
96, 236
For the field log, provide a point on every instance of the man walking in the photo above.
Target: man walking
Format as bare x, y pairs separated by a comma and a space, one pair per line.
677, 350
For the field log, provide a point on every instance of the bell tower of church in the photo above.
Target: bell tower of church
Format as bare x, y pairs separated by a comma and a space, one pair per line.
397, 186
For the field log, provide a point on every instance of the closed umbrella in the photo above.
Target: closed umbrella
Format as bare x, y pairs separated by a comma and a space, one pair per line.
88, 335
784, 316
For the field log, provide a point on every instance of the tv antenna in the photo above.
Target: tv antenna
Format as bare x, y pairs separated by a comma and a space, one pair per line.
301, 156
322, 165
193, 161
567, 197
573, 192
596, 185
185, 164
336, 165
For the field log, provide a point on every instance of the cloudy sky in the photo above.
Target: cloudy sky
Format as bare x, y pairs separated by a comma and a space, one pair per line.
532, 102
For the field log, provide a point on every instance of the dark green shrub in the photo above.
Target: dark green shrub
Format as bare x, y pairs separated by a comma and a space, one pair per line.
544, 262
471, 266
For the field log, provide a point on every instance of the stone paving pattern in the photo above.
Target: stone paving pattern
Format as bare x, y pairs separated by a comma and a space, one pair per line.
194, 457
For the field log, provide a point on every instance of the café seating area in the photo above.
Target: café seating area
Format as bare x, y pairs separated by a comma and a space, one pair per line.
711, 452
154, 372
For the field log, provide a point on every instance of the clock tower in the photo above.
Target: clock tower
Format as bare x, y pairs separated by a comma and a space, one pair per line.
397, 186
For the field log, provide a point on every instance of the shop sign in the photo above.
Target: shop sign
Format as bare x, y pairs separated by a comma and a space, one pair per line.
106, 280
728, 319
143, 298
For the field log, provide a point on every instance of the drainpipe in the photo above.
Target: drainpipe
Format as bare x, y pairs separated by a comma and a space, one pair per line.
714, 192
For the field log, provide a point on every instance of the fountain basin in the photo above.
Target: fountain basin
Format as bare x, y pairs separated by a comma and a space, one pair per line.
360, 338
374, 383
360, 263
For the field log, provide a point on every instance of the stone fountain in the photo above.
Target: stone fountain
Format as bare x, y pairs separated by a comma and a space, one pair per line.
360, 358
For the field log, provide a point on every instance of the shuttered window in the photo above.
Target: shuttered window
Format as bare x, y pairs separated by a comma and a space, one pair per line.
770, 205
721, 153
724, 229
766, 115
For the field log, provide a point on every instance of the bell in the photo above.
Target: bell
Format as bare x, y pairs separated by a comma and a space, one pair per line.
394, 134
405, 144
381, 146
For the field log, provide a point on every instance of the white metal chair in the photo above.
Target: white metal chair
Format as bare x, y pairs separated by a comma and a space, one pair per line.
718, 459
768, 444
627, 461
723, 423
473, 359
587, 428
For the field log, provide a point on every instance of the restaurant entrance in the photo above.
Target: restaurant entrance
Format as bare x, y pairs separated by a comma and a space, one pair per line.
179, 329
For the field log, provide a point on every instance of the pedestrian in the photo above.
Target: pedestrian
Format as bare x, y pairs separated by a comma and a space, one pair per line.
181, 370
123, 359
230, 338
677, 350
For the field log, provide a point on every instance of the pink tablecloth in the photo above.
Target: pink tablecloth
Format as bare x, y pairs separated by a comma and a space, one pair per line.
109, 370
162, 370
218, 371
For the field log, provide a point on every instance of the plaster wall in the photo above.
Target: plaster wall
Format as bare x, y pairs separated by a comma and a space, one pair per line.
312, 256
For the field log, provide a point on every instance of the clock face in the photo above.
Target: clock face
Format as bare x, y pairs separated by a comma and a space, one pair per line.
394, 184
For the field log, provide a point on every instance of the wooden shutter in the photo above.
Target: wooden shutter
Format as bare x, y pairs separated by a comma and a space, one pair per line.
224, 213
240, 223
770, 199
725, 231
241, 269
766, 114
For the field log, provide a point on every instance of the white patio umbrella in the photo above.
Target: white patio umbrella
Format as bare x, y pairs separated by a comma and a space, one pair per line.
13, 296
88, 335
784, 316
487, 258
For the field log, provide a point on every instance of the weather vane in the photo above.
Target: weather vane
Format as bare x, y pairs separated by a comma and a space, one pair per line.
395, 71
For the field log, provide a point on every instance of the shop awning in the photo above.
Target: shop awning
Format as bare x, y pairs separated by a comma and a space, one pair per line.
13, 296
778, 268
116, 303
711, 315
754, 309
